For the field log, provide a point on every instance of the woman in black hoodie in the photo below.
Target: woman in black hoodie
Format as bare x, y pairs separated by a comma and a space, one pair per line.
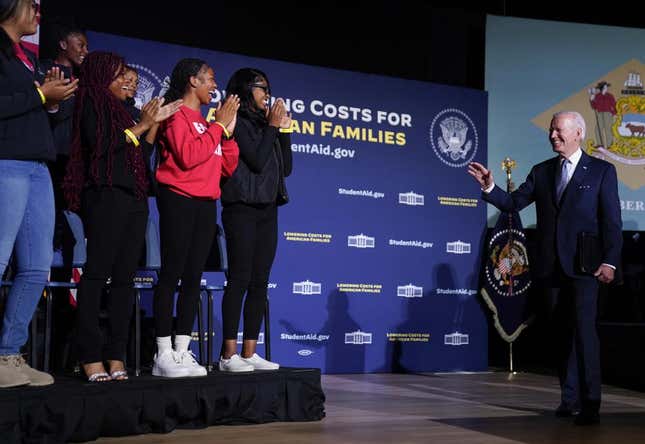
250, 200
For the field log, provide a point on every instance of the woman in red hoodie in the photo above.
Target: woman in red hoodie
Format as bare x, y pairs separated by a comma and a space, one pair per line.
193, 157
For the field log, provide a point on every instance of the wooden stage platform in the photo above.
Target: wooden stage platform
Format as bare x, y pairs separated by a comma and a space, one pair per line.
484, 408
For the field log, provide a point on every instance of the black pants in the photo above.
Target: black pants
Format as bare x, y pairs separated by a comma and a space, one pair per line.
187, 228
572, 308
115, 225
251, 241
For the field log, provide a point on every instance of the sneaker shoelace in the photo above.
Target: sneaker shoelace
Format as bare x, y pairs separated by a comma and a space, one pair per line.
174, 356
15, 360
188, 354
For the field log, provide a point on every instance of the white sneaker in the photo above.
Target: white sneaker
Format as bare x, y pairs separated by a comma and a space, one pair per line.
187, 360
259, 363
234, 364
168, 364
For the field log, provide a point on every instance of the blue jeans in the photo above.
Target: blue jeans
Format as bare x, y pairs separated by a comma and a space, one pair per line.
26, 224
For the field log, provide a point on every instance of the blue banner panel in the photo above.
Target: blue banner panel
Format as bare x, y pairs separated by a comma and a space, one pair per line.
379, 249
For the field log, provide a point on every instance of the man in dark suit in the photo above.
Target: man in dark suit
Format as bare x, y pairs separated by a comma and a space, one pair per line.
573, 193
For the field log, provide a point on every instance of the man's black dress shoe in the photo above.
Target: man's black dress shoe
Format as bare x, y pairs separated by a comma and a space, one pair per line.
565, 411
586, 418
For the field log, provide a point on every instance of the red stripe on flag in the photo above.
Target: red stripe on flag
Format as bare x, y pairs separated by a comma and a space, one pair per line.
76, 278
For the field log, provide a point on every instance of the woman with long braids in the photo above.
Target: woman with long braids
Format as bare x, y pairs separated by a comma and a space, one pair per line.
250, 200
106, 178
193, 157
26, 194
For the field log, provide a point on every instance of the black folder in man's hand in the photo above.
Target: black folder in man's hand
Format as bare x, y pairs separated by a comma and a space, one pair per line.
589, 254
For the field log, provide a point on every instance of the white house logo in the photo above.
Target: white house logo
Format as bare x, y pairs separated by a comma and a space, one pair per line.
240, 338
458, 247
150, 85
411, 198
455, 338
453, 137
305, 352
358, 338
361, 241
307, 287
409, 291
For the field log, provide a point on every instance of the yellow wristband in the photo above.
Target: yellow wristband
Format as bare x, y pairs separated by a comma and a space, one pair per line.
42, 96
131, 136
285, 130
226, 133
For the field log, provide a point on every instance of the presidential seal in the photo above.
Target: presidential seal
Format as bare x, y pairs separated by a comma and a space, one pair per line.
453, 137
150, 85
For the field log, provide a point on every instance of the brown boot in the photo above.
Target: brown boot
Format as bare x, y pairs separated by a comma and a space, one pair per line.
36, 378
10, 374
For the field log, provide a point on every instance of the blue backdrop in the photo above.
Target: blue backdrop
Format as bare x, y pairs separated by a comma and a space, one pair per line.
379, 248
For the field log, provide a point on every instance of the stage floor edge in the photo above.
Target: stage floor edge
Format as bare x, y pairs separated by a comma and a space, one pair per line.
73, 410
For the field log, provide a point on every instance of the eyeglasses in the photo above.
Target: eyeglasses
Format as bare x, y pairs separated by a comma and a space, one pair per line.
264, 88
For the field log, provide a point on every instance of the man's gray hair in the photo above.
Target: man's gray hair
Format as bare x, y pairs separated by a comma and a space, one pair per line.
577, 119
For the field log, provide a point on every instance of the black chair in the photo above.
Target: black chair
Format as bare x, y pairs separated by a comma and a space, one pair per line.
73, 254
217, 261
150, 261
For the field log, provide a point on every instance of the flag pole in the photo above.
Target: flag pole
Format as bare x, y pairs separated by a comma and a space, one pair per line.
507, 165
